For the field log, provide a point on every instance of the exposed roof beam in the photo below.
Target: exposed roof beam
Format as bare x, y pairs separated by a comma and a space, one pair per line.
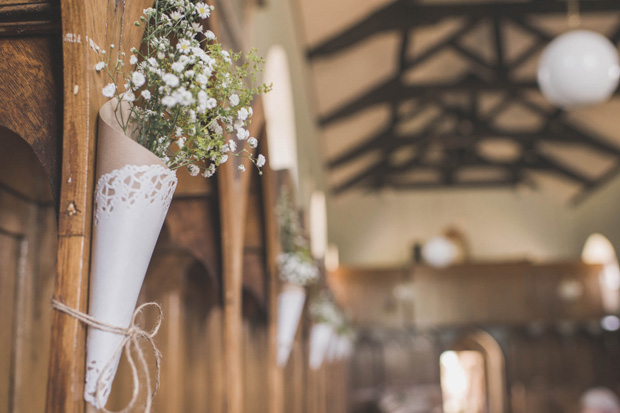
430, 13
408, 186
403, 14
393, 91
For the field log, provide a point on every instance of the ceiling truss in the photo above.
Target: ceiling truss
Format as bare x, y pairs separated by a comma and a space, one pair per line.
471, 125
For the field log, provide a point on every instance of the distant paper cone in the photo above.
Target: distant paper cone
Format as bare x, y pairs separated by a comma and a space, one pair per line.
290, 306
332, 348
320, 336
133, 192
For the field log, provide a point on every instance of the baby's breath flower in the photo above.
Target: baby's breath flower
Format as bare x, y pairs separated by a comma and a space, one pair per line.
171, 79
234, 99
99, 66
183, 96
241, 168
175, 15
168, 101
242, 134
243, 114
129, 96
138, 79
177, 67
193, 170
223, 159
210, 35
109, 90
253, 142
209, 171
146, 94
217, 129
133, 60
260, 161
233, 145
202, 79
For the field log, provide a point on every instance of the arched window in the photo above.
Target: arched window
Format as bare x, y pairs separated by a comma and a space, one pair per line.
599, 250
280, 113
473, 375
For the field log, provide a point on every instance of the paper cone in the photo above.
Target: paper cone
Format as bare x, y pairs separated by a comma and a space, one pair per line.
290, 306
348, 349
343, 347
332, 348
320, 336
133, 192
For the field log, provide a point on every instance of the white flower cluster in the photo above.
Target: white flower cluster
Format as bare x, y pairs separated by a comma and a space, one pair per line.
297, 269
323, 309
185, 89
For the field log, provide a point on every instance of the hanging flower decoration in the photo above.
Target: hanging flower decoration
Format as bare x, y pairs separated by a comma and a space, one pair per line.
295, 263
189, 99
323, 309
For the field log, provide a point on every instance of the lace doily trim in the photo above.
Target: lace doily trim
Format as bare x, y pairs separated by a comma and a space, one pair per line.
131, 184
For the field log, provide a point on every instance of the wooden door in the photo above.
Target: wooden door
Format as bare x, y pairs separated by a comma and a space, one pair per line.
27, 270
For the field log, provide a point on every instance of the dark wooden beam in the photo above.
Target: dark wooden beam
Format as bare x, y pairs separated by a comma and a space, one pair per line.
589, 190
393, 91
487, 184
366, 174
401, 15
500, 64
388, 18
430, 13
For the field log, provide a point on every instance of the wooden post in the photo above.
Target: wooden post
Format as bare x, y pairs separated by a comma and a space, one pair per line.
275, 374
103, 23
232, 199
234, 191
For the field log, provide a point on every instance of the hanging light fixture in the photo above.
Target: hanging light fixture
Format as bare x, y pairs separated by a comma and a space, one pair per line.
578, 68
439, 251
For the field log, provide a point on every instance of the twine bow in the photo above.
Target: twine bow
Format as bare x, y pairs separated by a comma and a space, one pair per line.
131, 341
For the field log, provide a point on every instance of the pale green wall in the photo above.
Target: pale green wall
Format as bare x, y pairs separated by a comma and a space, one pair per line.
277, 23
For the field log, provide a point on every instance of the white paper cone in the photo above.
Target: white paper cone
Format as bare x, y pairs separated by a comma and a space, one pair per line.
133, 192
290, 306
343, 347
348, 348
320, 336
332, 348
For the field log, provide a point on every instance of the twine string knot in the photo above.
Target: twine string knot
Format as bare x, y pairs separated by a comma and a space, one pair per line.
131, 345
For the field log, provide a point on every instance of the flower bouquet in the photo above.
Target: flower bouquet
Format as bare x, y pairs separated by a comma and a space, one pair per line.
327, 319
182, 102
297, 269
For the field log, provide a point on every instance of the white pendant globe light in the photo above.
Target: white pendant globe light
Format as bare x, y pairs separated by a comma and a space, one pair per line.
439, 252
578, 68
